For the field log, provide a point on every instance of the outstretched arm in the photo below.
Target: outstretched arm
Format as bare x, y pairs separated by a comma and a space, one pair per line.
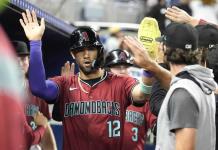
143, 60
48, 140
178, 15
39, 86
67, 70
35, 137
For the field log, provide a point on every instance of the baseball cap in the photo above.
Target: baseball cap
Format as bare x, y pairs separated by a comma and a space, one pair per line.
178, 35
212, 60
208, 35
20, 47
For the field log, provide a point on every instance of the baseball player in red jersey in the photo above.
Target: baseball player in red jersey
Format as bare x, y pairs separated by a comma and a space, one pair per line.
33, 104
14, 129
138, 118
93, 102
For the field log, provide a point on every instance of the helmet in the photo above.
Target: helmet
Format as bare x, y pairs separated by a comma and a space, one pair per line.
84, 37
118, 57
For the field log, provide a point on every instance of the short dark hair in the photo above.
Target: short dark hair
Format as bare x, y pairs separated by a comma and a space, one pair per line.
203, 51
181, 56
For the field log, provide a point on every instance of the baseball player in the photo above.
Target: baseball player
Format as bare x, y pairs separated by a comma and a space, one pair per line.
14, 130
138, 118
93, 102
33, 104
212, 62
174, 133
178, 15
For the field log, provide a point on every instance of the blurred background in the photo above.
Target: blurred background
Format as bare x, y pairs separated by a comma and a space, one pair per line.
112, 19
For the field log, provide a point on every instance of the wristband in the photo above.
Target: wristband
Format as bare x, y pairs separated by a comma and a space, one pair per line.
147, 74
146, 89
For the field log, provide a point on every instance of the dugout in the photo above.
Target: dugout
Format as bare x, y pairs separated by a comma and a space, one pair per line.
55, 40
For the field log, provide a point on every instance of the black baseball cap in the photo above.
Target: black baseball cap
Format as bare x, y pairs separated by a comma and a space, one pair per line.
212, 60
208, 35
180, 35
21, 48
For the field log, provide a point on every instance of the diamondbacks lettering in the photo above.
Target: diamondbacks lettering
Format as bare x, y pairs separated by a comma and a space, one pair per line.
91, 107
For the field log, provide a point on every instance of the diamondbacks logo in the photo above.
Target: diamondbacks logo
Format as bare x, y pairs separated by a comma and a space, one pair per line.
91, 107
85, 36
31, 110
135, 117
122, 56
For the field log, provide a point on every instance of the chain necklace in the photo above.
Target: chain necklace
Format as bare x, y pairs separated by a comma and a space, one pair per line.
80, 85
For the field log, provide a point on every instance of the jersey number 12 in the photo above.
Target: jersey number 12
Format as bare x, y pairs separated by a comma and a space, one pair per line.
113, 128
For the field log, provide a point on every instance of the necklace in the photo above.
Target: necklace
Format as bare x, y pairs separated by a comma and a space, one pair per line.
80, 85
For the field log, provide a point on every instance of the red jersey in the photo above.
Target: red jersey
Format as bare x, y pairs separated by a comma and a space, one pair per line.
15, 134
138, 121
14, 129
32, 105
94, 120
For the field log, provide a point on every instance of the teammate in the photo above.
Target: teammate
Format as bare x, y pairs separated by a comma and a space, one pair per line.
212, 63
178, 15
68, 70
208, 37
192, 90
92, 102
33, 104
189, 91
138, 118
14, 129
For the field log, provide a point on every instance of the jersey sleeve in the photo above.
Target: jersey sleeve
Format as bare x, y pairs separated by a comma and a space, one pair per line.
203, 22
183, 111
34, 137
149, 117
157, 96
129, 84
60, 81
44, 108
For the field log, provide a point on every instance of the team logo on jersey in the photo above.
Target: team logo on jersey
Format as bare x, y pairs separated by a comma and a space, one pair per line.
122, 56
31, 110
85, 36
134, 117
92, 107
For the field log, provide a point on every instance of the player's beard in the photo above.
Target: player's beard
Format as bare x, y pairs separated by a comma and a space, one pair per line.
87, 70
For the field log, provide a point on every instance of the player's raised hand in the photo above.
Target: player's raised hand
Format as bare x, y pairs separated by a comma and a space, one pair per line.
68, 70
178, 15
140, 55
40, 119
32, 29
